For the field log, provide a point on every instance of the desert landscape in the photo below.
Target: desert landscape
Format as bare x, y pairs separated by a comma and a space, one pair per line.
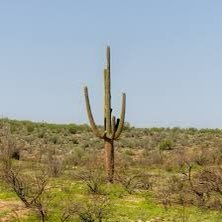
161, 174
110, 111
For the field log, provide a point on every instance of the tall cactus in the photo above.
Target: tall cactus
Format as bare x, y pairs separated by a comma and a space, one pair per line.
112, 127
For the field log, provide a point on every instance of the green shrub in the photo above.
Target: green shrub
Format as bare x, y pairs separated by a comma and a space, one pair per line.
166, 145
72, 128
30, 128
129, 152
54, 139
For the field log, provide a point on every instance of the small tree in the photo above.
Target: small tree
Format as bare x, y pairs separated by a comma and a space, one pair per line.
28, 191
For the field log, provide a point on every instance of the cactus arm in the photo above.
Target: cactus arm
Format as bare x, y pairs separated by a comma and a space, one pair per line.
90, 115
113, 127
122, 117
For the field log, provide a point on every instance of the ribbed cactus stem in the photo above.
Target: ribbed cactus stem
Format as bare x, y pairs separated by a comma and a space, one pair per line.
90, 115
122, 117
113, 127
108, 103
108, 58
104, 100
108, 93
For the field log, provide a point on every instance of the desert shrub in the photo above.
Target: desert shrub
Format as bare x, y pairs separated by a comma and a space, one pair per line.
76, 157
54, 139
166, 145
30, 128
55, 128
94, 179
55, 163
132, 182
74, 141
209, 182
153, 157
41, 133
129, 152
200, 188
217, 156
170, 163
192, 131
28, 188
176, 190
97, 209
10, 146
72, 128
84, 128
129, 182
92, 175
14, 127
201, 157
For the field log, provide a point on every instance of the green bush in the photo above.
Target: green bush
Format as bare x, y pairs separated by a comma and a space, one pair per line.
166, 145
72, 128
30, 128
54, 139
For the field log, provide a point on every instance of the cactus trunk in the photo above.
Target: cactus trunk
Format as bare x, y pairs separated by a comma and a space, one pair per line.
112, 127
109, 159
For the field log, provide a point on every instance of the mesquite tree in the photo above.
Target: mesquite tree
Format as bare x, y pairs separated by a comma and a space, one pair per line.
112, 127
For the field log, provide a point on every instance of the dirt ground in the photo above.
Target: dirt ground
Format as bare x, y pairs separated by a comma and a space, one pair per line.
11, 210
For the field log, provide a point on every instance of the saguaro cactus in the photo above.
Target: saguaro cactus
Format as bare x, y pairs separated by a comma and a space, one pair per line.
112, 127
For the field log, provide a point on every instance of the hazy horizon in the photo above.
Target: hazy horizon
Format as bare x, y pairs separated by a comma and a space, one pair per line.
165, 56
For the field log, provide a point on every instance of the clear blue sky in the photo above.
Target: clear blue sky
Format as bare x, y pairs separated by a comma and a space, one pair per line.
166, 55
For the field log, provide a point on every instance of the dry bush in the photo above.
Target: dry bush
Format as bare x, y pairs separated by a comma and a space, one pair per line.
10, 146
54, 162
202, 156
27, 188
153, 157
92, 175
177, 159
97, 209
132, 180
209, 182
173, 191
93, 179
129, 182
76, 157
202, 188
